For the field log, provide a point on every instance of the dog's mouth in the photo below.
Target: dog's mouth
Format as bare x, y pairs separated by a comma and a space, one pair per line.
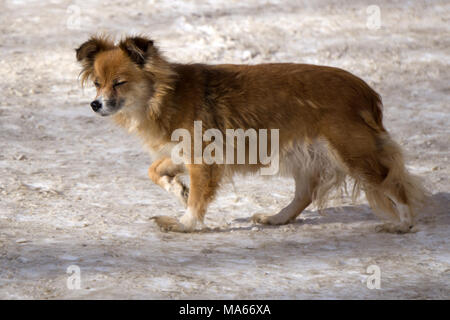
111, 107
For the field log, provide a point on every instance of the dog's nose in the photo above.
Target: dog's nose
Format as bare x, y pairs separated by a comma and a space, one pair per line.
96, 105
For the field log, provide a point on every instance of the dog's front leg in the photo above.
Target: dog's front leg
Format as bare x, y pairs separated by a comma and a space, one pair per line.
166, 174
204, 180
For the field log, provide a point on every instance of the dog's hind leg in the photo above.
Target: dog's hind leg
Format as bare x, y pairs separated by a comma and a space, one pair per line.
166, 174
303, 196
391, 205
392, 192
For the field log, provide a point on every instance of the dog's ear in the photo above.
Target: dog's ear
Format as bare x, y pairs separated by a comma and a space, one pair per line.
86, 55
139, 49
88, 50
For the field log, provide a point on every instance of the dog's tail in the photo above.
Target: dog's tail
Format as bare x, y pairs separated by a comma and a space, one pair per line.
373, 115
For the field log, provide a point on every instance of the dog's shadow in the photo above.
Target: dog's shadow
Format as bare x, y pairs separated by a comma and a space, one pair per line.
437, 204
327, 216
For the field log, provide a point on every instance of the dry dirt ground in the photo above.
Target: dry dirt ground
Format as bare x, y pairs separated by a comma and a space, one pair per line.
74, 188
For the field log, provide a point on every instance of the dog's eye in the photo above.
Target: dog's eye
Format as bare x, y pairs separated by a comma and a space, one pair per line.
97, 84
119, 83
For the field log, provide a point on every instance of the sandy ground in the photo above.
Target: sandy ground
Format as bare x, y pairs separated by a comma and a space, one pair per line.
74, 188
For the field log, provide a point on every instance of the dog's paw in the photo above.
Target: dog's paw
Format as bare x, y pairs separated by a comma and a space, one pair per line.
267, 219
395, 228
179, 189
260, 218
166, 224
182, 191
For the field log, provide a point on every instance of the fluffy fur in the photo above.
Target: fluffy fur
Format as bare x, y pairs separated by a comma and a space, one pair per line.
330, 124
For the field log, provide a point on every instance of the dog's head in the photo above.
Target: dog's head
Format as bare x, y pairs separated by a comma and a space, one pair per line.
119, 72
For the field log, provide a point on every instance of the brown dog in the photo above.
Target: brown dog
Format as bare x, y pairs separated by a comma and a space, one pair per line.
329, 121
